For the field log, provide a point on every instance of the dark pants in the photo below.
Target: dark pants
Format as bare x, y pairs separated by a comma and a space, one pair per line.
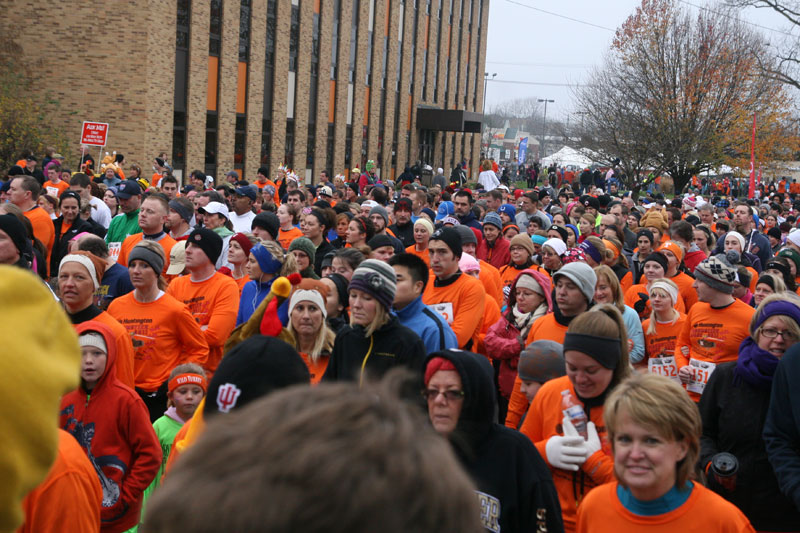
156, 402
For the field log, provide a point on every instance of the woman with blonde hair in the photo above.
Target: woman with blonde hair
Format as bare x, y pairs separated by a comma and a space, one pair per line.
595, 250
586, 224
267, 261
609, 291
375, 341
661, 330
163, 330
654, 431
767, 284
307, 323
565, 418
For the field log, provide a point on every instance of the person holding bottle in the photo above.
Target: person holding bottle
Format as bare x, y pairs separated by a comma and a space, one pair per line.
596, 355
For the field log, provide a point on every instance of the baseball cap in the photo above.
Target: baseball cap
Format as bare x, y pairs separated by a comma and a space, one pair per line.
214, 208
128, 188
177, 259
247, 190
324, 191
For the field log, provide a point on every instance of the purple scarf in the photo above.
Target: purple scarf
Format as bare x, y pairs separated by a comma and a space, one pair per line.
755, 366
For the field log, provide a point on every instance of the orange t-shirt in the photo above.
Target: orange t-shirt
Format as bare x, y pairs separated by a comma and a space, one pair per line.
285, 237
632, 296
662, 342
241, 282
164, 335
130, 241
55, 189
602, 512
69, 499
461, 303
491, 314
124, 346
712, 336
317, 370
43, 229
424, 254
545, 328
544, 421
490, 278
65, 226
687, 292
214, 304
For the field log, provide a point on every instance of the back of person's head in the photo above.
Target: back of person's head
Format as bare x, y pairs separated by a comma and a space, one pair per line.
392, 472
417, 268
682, 230
93, 244
80, 179
661, 405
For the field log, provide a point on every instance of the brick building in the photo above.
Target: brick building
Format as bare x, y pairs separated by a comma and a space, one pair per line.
314, 84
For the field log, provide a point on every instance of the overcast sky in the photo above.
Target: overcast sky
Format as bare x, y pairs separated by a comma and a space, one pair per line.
531, 46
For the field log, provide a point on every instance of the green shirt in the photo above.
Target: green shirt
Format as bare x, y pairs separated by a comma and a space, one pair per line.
121, 226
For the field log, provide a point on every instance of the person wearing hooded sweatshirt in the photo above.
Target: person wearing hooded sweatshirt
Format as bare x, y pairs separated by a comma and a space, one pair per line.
514, 488
494, 248
574, 292
529, 299
111, 423
579, 455
412, 278
375, 341
264, 266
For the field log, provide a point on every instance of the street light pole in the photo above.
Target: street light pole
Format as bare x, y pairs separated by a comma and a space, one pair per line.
544, 125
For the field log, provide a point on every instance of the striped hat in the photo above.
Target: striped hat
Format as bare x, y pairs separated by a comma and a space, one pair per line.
377, 279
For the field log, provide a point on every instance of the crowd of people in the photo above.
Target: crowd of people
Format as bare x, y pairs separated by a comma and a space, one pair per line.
590, 360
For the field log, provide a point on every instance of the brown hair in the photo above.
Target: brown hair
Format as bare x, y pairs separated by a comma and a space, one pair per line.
185, 368
290, 447
605, 272
661, 405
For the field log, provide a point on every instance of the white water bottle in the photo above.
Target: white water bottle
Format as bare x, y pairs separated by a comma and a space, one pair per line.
574, 412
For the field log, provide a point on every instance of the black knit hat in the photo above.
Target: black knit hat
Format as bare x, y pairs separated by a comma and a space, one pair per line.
253, 369
268, 221
661, 259
208, 241
451, 238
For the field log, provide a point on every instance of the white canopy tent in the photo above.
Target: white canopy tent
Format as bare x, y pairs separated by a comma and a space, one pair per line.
567, 157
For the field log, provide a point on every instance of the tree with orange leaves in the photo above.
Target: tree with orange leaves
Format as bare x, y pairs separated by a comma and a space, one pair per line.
677, 91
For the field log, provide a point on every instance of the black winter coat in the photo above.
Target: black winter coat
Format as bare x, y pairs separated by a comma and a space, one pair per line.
733, 419
61, 245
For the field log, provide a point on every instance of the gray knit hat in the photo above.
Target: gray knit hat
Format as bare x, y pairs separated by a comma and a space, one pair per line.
382, 212
377, 279
541, 361
581, 275
717, 272
493, 219
466, 234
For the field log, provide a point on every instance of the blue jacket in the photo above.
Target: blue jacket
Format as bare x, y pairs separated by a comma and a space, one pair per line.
435, 333
253, 294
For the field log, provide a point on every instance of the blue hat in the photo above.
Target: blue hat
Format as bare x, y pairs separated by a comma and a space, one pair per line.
128, 188
509, 210
266, 262
247, 190
493, 219
428, 211
445, 209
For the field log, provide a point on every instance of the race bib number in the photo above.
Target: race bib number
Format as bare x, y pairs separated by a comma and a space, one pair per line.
445, 310
113, 250
701, 371
664, 366
52, 191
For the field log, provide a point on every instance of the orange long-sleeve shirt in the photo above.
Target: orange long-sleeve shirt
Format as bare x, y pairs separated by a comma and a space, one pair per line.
544, 421
164, 335
712, 336
214, 304
285, 237
663, 341
124, 346
545, 328
490, 278
43, 230
460, 303
602, 512
491, 314
69, 499
687, 292
424, 254
130, 241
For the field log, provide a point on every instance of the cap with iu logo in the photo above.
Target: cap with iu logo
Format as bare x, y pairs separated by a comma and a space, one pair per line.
227, 395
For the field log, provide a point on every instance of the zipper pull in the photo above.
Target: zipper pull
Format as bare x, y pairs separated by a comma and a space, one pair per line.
88, 397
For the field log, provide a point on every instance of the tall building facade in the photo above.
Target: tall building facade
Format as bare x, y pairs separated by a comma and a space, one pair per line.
240, 84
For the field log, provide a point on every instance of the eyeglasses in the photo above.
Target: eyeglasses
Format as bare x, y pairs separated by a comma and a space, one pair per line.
772, 333
449, 395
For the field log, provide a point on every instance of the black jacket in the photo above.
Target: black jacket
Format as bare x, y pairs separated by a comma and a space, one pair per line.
733, 419
515, 488
324, 248
61, 245
404, 233
392, 345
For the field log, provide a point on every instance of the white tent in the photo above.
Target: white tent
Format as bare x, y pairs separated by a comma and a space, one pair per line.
567, 157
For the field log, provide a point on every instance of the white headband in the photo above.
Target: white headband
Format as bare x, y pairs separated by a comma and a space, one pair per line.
303, 295
86, 262
425, 223
666, 287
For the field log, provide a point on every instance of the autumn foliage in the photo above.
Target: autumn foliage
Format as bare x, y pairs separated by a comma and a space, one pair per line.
677, 93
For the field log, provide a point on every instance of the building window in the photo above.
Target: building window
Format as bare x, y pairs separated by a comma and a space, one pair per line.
181, 77
289, 148
294, 38
329, 147
266, 138
244, 30
239, 138
353, 41
215, 29
211, 143
335, 39
269, 67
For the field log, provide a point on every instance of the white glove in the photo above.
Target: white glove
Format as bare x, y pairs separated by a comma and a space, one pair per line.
567, 452
592, 440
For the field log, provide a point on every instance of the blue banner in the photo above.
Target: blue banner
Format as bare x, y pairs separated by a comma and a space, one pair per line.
523, 147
